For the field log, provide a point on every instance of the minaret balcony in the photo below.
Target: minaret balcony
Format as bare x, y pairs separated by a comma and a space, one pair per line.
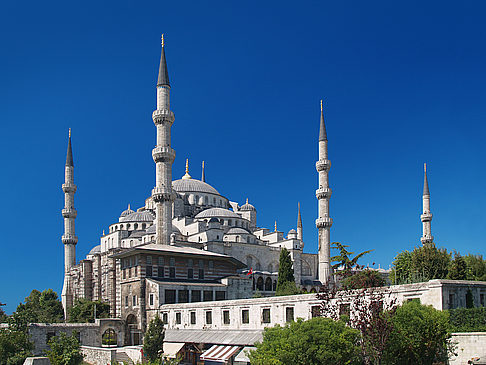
325, 222
162, 194
163, 116
68, 188
427, 239
323, 165
69, 213
68, 238
426, 217
323, 193
163, 154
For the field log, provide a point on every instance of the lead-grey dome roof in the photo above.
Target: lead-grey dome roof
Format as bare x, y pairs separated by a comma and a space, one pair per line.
95, 250
217, 212
143, 216
126, 212
193, 186
237, 230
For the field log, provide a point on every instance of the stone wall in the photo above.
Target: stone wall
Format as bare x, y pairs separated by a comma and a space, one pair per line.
469, 345
98, 355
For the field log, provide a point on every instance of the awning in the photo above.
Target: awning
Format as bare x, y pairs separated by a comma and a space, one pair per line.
171, 349
220, 353
243, 355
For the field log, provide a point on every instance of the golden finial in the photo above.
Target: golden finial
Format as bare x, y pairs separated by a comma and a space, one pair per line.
275, 226
162, 39
128, 206
321, 105
187, 176
246, 200
69, 132
425, 167
103, 232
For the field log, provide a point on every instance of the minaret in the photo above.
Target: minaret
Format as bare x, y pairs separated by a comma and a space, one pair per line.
203, 179
69, 239
323, 194
299, 225
163, 156
426, 216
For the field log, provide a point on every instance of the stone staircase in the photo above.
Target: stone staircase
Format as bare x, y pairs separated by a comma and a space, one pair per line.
122, 358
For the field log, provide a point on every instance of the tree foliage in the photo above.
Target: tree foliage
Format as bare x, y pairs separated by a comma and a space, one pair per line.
420, 335
343, 259
153, 342
467, 319
15, 346
366, 278
64, 350
316, 341
285, 270
42, 307
457, 268
3, 316
287, 288
476, 267
83, 311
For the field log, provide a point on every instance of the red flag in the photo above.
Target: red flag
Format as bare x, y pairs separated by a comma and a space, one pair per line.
250, 272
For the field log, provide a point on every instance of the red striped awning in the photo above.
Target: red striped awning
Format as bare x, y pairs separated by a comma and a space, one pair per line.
220, 352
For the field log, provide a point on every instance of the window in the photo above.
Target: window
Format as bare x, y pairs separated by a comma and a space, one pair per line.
165, 318
178, 318
208, 295
226, 317
211, 265
195, 296
451, 300
201, 274
220, 295
49, 335
172, 272
149, 260
266, 315
172, 261
170, 296
193, 317
108, 337
289, 314
151, 299
315, 311
148, 271
160, 272
183, 296
481, 299
245, 316
161, 261
126, 301
190, 273
190, 263
124, 272
201, 263
134, 300
209, 317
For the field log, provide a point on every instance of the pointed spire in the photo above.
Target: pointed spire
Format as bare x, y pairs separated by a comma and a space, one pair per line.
163, 79
128, 206
69, 156
202, 174
275, 226
187, 176
299, 218
246, 200
426, 183
322, 130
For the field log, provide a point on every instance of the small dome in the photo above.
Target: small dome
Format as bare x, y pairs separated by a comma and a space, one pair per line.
247, 207
126, 212
143, 216
95, 250
292, 231
217, 212
214, 220
237, 231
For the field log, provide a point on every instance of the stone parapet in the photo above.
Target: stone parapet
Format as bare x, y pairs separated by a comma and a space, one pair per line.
323, 165
426, 217
69, 188
163, 194
69, 213
323, 193
163, 116
163, 154
68, 238
325, 222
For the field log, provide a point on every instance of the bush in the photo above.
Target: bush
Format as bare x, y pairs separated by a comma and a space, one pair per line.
153, 342
64, 350
467, 319
363, 279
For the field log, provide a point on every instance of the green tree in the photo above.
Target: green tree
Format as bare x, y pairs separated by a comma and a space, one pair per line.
420, 335
153, 342
287, 288
457, 268
468, 319
343, 259
363, 279
15, 346
476, 267
316, 341
64, 350
285, 270
402, 268
83, 311
3, 316
42, 307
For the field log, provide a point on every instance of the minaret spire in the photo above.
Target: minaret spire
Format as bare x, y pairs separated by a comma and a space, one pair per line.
299, 224
186, 175
323, 194
426, 216
69, 238
203, 178
163, 156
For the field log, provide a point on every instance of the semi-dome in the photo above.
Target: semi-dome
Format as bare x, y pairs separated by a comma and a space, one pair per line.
237, 230
193, 186
126, 212
247, 207
95, 250
143, 216
217, 212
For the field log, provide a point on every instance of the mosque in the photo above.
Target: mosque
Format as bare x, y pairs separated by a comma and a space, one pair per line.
188, 243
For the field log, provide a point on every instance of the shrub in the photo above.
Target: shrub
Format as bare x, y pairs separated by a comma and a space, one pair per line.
467, 319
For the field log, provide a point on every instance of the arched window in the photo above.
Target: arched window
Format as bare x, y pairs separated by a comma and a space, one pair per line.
135, 226
128, 226
109, 337
274, 285
237, 238
258, 266
259, 283
143, 225
268, 284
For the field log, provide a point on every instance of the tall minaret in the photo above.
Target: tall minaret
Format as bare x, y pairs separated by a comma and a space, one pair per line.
426, 216
69, 239
163, 156
203, 178
299, 224
323, 194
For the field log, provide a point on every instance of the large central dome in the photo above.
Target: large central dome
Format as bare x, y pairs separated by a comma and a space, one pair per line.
193, 186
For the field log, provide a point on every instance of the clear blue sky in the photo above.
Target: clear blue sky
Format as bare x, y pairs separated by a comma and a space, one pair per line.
403, 83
